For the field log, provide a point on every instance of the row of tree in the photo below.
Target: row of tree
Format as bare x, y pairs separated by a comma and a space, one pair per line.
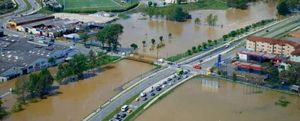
209, 43
38, 85
109, 36
3, 113
241, 4
172, 12
81, 63
240, 31
211, 20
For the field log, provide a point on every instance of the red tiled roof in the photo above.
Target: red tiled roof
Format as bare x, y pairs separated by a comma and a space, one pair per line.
296, 52
274, 41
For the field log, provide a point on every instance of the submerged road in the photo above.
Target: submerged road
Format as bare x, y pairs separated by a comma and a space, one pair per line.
209, 55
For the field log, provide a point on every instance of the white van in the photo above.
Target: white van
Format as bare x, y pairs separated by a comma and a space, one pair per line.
124, 108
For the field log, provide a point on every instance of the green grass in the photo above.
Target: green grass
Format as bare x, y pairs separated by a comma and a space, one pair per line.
90, 6
82, 4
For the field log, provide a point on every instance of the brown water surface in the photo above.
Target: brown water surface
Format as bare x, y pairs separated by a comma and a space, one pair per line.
81, 98
188, 34
199, 100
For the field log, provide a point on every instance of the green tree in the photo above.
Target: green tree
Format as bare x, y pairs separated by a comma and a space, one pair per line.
155, 4
272, 71
47, 80
17, 107
209, 42
204, 45
234, 77
241, 4
20, 89
150, 3
189, 52
176, 13
134, 46
225, 37
144, 43
51, 61
109, 35
84, 37
34, 85
215, 42
199, 48
209, 19
197, 20
3, 113
194, 49
161, 38
153, 41
170, 35
283, 8
93, 59
78, 64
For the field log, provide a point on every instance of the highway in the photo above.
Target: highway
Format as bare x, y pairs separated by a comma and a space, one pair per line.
208, 58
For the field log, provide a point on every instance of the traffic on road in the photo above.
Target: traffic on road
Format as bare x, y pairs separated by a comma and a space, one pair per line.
151, 92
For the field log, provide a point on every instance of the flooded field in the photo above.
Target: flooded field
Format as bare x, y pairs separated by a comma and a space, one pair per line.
200, 100
79, 99
185, 35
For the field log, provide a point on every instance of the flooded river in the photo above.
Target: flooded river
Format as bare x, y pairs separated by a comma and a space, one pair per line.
81, 98
199, 100
187, 34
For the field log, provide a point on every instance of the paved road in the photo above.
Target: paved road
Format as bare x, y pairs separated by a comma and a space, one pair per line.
120, 99
21, 7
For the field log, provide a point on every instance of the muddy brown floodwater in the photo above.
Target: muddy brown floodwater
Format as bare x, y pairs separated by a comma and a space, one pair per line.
81, 98
199, 100
185, 35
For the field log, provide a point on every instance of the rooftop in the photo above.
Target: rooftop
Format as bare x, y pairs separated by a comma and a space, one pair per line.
29, 18
274, 41
18, 52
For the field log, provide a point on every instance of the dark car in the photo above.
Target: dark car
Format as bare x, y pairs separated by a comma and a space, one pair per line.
152, 94
123, 115
117, 116
169, 79
158, 89
144, 99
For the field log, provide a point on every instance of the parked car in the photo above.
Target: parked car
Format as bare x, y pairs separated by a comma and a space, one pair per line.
124, 108
158, 89
123, 115
152, 94
143, 94
197, 66
129, 111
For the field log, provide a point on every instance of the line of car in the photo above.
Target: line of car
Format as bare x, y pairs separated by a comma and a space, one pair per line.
145, 96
